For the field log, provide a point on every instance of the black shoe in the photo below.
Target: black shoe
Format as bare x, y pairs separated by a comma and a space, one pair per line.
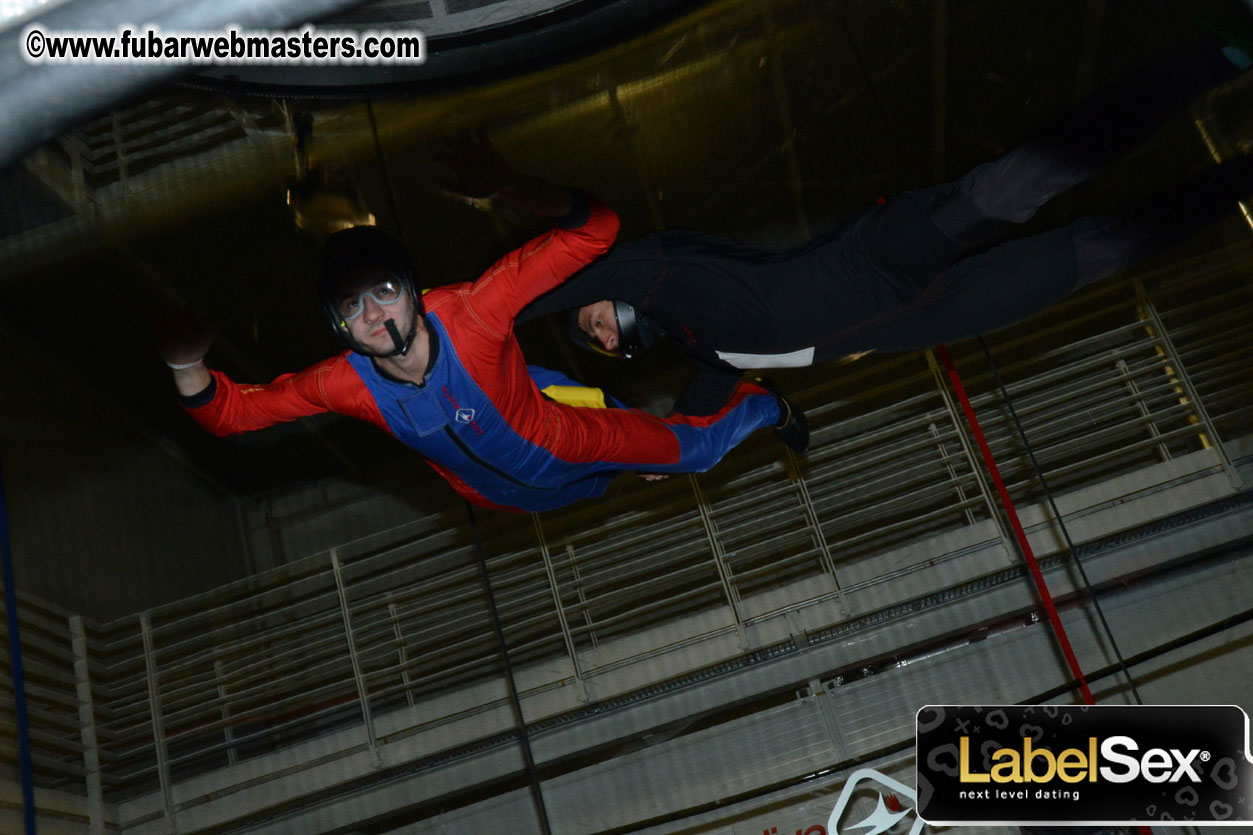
792, 429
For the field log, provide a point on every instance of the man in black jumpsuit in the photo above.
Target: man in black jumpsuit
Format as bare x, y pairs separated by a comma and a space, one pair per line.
921, 269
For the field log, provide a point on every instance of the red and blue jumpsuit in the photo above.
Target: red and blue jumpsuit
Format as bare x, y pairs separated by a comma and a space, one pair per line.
479, 419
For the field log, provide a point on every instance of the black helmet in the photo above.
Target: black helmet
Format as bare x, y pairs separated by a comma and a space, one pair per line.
630, 334
360, 253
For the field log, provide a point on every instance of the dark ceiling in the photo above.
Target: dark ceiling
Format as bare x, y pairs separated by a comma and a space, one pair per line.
759, 120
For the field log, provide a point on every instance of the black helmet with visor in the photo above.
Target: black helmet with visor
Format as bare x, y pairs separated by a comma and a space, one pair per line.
366, 261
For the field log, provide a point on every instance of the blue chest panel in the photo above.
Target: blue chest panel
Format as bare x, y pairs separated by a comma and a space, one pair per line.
450, 421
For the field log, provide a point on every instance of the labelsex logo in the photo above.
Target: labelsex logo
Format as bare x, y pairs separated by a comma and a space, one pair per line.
1083, 764
1039, 765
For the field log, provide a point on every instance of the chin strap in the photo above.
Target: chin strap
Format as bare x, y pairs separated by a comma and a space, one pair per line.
402, 346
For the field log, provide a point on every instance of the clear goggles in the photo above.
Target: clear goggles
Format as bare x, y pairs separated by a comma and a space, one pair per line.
352, 301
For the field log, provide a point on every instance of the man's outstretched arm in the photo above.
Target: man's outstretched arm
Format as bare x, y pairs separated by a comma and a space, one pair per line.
225, 407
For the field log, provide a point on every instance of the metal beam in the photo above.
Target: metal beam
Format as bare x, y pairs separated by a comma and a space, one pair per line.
720, 560
1178, 375
158, 726
87, 728
363, 695
566, 635
972, 461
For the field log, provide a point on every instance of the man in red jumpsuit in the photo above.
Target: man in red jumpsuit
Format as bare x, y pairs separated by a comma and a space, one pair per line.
443, 372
